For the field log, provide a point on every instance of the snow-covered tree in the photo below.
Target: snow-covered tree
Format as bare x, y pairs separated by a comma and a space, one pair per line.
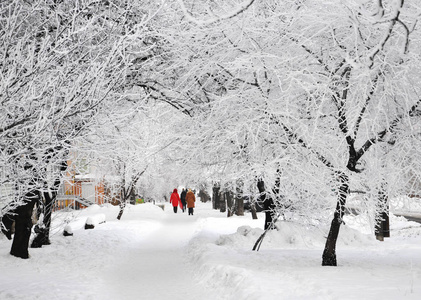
61, 62
132, 148
325, 82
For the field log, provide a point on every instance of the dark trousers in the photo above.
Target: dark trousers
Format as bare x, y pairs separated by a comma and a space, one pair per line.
175, 209
191, 211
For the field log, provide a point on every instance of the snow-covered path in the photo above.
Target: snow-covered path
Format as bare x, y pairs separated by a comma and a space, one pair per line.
143, 256
153, 254
158, 268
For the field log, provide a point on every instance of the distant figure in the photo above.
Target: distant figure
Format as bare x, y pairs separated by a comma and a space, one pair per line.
175, 200
183, 199
190, 199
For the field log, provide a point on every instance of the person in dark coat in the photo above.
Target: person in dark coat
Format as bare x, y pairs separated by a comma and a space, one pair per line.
190, 199
175, 200
183, 199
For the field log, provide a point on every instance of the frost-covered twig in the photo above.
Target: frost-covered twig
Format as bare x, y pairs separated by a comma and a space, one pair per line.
243, 6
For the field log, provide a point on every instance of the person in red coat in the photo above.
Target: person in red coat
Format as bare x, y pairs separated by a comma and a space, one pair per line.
175, 200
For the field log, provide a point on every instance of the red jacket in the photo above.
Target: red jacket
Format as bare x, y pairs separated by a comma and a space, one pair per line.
175, 199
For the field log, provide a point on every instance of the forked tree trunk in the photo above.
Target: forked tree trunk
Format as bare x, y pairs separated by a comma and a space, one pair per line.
23, 225
43, 232
129, 193
329, 253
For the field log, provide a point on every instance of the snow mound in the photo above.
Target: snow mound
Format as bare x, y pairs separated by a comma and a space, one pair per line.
244, 237
146, 210
95, 219
291, 235
403, 228
68, 230
406, 204
93, 209
75, 220
349, 236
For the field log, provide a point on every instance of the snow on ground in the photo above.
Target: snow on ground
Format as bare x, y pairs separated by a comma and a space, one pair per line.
156, 254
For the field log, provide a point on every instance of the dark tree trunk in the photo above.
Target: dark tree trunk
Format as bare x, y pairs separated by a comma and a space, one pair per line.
43, 232
230, 204
269, 208
329, 253
239, 200
123, 198
23, 225
120, 213
49, 203
222, 203
239, 205
216, 197
268, 205
382, 229
132, 197
8, 220
204, 196
253, 211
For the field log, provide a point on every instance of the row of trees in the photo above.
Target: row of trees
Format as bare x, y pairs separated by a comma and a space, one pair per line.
63, 64
314, 99
310, 100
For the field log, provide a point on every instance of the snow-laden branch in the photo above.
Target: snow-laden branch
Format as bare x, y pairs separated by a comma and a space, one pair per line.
397, 5
242, 7
367, 101
380, 135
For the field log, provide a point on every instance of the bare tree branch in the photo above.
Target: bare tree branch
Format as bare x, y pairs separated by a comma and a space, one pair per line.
243, 7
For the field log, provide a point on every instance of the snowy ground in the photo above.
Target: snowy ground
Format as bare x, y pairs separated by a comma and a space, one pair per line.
156, 254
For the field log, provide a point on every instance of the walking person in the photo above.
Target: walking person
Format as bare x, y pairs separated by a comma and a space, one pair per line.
190, 199
175, 200
183, 199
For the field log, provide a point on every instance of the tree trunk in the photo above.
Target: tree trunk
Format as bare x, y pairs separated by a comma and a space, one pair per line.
123, 197
216, 197
204, 196
253, 211
222, 203
43, 232
382, 229
329, 253
23, 225
132, 197
268, 205
269, 208
239, 206
230, 204
120, 213
7, 221
239, 200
